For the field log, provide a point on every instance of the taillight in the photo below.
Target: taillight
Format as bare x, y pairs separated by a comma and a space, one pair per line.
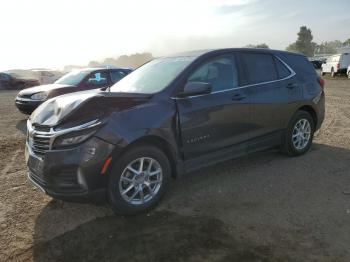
322, 82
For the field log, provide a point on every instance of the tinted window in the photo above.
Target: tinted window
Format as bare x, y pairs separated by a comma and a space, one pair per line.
221, 73
300, 65
73, 78
98, 78
282, 70
117, 75
260, 67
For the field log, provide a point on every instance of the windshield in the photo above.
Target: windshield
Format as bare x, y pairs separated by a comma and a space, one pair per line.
73, 78
153, 76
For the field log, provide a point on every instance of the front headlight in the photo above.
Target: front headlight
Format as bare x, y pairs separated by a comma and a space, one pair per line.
72, 139
76, 137
39, 96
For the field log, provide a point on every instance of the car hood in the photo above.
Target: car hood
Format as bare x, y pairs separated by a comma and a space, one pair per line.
80, 107
42, 88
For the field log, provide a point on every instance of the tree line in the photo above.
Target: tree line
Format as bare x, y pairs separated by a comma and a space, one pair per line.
306, 46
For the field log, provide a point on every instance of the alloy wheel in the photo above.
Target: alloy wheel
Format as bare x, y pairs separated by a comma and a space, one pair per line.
301, 134
140, 181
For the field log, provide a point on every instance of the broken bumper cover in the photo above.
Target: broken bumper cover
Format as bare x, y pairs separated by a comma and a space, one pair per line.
71, 174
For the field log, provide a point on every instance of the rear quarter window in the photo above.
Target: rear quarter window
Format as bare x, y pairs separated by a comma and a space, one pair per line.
301, 66
282, 70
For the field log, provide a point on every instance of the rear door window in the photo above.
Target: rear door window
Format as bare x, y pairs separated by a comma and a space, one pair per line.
220, 72
259, 67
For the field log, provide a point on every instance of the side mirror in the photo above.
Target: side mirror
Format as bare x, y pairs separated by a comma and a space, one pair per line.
196, 88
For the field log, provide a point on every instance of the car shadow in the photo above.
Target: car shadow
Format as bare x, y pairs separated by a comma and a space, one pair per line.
228, 205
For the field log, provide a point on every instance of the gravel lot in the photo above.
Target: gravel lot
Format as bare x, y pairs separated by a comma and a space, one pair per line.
264, 207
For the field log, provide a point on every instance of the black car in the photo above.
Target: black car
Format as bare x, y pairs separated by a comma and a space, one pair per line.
12, 81
170, 116
78, 80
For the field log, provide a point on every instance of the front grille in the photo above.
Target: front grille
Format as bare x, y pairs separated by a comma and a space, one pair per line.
41, 128
41, 144
40, 139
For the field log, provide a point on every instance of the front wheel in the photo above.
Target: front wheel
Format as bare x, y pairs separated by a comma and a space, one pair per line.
299, 135
138, 180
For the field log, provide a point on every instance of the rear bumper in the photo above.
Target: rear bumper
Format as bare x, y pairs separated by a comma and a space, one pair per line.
71, 174
26, 106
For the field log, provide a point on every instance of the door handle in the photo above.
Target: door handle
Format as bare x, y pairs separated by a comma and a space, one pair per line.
292, 85
238, 97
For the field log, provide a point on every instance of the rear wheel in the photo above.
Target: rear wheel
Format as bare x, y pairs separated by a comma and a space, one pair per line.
138, 180
299, 135
322, 73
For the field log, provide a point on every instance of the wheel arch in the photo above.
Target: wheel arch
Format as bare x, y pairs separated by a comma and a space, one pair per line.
158, 142
311, 111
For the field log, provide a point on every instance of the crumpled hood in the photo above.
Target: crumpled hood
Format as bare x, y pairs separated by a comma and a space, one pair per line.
42, 88
82, 106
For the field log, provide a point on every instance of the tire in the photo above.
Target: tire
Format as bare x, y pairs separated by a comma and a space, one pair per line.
290, 139
121, 178
322, 73
332, 73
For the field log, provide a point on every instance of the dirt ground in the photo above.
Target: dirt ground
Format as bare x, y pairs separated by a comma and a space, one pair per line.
264, 207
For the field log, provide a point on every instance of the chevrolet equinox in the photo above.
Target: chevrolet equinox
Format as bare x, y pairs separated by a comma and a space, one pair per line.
172, 115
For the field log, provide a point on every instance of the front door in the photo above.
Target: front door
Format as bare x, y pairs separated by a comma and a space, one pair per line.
217, 120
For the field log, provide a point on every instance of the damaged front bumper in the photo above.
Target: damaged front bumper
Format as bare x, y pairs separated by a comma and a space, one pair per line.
71, 174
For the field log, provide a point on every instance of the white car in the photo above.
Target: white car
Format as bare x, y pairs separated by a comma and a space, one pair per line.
348, 72
336, 64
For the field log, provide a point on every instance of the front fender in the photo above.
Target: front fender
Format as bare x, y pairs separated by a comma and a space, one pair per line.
155, 119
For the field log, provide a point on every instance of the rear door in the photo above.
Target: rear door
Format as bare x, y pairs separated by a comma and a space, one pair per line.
217, 120
274, 95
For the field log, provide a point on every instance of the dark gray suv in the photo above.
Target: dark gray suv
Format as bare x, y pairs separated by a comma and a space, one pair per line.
172, 115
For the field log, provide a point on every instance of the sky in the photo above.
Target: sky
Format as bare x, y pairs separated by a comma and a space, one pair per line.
55, 33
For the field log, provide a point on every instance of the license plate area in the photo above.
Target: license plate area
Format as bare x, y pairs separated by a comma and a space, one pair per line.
36, 165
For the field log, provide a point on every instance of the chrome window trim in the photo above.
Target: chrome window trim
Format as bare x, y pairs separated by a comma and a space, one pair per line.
292, 74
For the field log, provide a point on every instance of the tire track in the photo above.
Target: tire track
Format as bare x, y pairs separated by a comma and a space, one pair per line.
11, 163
